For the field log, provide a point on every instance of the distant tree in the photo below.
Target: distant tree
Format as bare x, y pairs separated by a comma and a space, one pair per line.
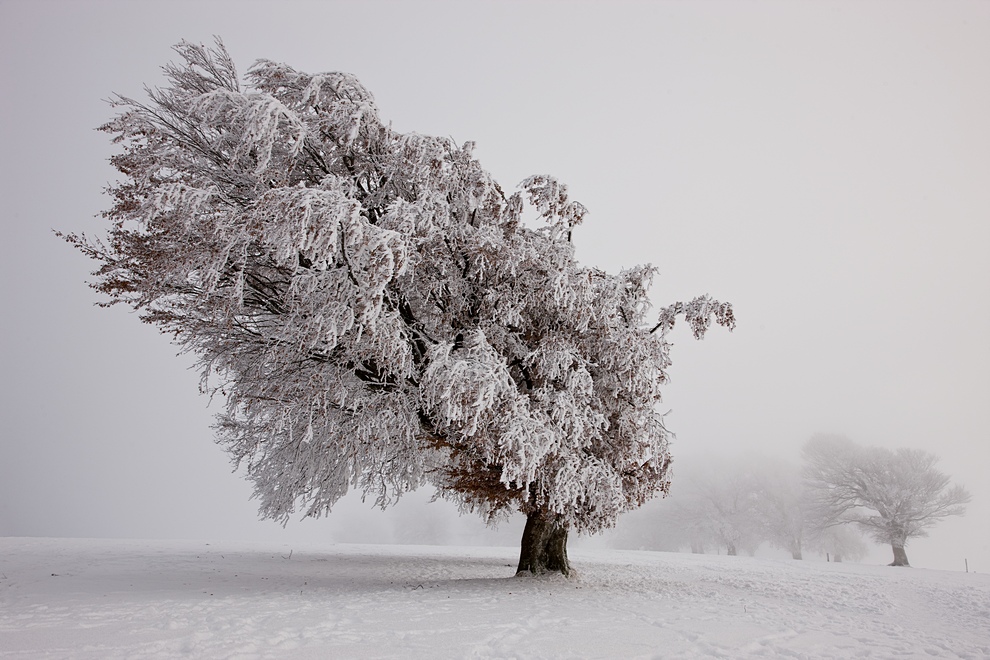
779, 506
736, 504
654, 526
893, 495
718, 507
375, 311
838, 542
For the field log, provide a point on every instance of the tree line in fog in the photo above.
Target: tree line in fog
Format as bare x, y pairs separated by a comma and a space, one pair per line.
842, 495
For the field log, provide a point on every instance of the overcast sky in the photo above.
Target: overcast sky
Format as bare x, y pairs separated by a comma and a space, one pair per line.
824, 166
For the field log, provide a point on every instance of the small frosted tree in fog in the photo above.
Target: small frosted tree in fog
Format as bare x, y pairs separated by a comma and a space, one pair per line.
668, 525
779, 506
655, 526
718, 507
733, 504
893, 495
838, 542
376, 313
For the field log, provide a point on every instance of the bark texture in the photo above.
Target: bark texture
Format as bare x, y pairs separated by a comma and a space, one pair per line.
544, 546
900, 557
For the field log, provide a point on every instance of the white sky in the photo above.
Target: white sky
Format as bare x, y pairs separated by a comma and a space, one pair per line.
824, 166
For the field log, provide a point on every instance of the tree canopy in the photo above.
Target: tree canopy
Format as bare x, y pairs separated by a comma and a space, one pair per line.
374, 310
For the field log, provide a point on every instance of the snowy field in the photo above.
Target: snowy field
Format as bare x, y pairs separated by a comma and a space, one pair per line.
72, 598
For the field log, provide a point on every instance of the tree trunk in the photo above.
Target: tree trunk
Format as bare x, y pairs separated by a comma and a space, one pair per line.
730, 549
544, 546
796, 554
900, 557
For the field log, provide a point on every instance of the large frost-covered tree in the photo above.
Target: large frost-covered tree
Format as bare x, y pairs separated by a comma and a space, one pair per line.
892, 495
375, 311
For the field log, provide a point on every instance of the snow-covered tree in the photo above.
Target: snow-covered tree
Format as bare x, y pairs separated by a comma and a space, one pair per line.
376, 313
892, 495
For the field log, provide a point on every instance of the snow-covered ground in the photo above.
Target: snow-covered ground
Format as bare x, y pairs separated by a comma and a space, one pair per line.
72, 598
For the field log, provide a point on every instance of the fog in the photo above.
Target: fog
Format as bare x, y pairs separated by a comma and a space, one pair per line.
823, 166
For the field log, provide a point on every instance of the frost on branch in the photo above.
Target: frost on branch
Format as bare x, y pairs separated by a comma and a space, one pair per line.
372, 308
549, 197
698, 313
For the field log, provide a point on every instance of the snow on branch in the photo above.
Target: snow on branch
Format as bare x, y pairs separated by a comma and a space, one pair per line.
698, 314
